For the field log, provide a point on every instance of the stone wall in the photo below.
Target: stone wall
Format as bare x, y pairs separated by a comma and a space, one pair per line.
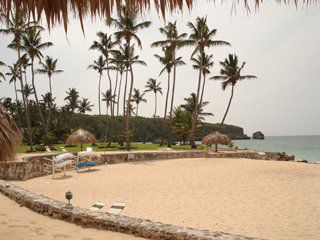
106, 221
34, 166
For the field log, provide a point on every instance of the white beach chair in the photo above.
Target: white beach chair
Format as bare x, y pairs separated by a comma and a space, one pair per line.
116, 208
48, 150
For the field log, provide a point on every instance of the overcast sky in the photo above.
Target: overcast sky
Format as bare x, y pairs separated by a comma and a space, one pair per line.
279, 43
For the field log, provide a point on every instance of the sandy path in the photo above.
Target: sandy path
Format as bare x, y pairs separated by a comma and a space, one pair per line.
273, 200
20, 223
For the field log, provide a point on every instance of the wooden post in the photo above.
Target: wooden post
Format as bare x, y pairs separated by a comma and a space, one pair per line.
53, 168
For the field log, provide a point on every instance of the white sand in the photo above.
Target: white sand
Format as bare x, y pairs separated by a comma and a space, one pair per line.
21, 223
268, 199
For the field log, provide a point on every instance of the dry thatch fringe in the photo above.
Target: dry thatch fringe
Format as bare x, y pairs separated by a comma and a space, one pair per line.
57, 11
9, 136
81, 136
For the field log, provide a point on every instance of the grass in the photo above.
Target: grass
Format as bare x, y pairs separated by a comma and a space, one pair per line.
101, 147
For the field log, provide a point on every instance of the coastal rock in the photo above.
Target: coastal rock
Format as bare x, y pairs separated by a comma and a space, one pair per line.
258, 135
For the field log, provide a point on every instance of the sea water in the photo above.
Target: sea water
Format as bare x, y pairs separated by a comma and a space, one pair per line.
303, 147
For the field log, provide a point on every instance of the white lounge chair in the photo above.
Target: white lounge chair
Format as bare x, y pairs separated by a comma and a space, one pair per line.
48, 150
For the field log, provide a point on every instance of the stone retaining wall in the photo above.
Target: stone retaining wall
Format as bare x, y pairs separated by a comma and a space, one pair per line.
34, 166
106, 221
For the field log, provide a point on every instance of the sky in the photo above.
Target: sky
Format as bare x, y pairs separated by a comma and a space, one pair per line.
279, 43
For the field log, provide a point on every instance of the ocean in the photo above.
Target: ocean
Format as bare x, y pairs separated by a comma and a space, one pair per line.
303, 147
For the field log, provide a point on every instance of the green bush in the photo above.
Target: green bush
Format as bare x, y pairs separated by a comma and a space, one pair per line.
40, 148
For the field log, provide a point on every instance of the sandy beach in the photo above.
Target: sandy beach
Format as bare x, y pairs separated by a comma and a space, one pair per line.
21, 223
267, 199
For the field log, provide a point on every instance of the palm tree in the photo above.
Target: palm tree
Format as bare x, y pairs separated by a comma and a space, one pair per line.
28, 90
204, 64
105, 46
166, 60
99, 65
72, 99
32, 44
118, 60
137, 98
49, 67
201, 37
85, 106
17, 26
153, 86
108, 98
13, 74
230, 75
127, 25
174, 40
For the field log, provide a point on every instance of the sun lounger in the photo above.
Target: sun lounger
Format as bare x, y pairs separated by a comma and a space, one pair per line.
97, 206
116, 208
60, 161
48, 150
84, 159
63, 149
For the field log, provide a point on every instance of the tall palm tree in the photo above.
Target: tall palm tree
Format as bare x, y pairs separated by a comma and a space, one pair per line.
99, 65
72, 99
137, 98
109, 99
166, 60
174, 40
201, 37
153, 86
13, 74
32, 44
85, 106
128, 26
105, 46
230, 75
49, 67
118, 60
28, 90
203, 63
17, 26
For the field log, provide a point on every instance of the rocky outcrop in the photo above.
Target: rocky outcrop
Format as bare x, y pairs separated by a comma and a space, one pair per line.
100, 220
258, 135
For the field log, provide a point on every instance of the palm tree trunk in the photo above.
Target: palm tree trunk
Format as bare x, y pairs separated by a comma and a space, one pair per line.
203, 85
195, 114
37, 102
110, 84
115, 90
99, 92
125, 93
225, 115
155, 105
137, 109
129, 100
50, 106
15, 90
174, 83
118, 104
26, 107
167, 96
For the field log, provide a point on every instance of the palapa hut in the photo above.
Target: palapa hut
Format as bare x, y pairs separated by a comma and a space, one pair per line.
9, 136
216, 138
57, 11
81, 136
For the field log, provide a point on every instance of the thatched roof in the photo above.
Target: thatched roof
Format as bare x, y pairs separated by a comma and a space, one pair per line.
9, 136
216, 138
57, 11
81, 136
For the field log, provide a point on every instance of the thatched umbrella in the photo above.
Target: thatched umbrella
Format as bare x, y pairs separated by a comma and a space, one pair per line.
9, 136
81, 136
57, 11
216, 138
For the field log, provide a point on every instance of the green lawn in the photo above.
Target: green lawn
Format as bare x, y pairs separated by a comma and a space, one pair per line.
101, 147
